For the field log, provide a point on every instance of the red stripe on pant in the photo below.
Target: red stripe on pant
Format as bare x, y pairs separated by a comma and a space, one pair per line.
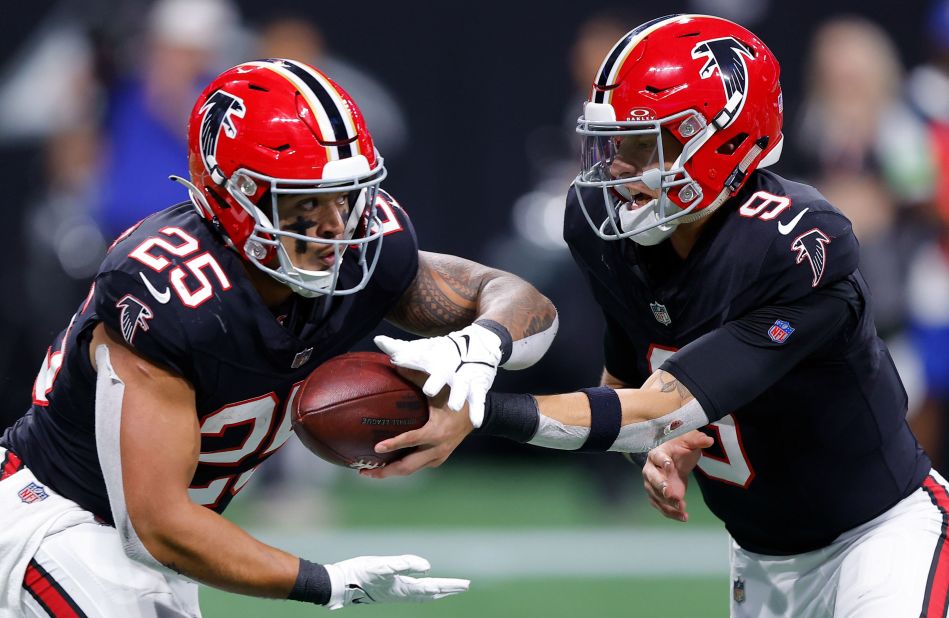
11, 464
936, 601
50, 594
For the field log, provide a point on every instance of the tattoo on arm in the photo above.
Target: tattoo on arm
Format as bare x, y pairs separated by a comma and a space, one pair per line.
450, 292
443, 296
668, 384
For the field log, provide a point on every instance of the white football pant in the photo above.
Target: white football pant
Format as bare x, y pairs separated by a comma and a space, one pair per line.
893, 566
57, 560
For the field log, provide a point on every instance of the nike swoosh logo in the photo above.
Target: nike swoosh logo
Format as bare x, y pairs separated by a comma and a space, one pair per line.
785, 228
162, 297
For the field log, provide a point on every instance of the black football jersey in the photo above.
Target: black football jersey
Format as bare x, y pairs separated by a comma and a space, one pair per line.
182, 298
767, 322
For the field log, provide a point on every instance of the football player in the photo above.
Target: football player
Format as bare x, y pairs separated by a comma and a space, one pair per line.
733, 302
175, 378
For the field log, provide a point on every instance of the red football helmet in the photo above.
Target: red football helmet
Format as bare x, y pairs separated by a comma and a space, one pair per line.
274, 127
704, 81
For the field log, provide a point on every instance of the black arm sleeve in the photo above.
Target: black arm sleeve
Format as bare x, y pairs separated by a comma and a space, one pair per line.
730, 366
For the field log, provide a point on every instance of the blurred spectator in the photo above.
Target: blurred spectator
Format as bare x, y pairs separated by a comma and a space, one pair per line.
49, 100
299, 38
858, 143
50, 88
147, 112
66, 246
928, 95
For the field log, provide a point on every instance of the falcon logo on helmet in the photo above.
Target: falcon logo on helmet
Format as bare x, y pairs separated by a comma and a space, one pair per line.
812, 245
216, 116
725, 54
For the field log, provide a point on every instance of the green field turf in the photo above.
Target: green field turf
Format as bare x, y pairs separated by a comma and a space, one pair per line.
505, 526
549, 598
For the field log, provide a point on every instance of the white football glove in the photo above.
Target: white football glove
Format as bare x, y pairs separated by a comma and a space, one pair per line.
466, 360
386, 579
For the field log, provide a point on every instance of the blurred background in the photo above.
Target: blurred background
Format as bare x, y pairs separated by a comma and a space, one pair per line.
473, 107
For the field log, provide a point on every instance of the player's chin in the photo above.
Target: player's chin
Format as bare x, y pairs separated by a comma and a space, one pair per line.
316, 263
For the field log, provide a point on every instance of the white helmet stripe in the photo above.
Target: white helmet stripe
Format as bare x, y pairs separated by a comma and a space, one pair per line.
320, 85
331, 113
606, 75
322, 120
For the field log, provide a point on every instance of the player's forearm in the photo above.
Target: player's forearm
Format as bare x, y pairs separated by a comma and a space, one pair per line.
206, 547
637, 405
627, 420
515, 304
449, 293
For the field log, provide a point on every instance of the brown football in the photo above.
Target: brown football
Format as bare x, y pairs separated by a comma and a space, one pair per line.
352, 402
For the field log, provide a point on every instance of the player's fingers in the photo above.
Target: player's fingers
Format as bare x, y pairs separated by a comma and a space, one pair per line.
387, 344
441, 587
655, 476
662, 489
662, 508
666, 510
673, 491
659, 458
459, 393
409, 564
415, 376
409, 464
476, 408
697, 440
403, 440
434, 383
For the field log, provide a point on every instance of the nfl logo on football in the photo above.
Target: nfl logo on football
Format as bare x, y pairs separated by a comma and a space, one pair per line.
661, 313
780, 331
32, 493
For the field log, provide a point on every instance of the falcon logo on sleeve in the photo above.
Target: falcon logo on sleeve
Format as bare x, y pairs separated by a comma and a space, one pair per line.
216, 116
133, 314
812, 246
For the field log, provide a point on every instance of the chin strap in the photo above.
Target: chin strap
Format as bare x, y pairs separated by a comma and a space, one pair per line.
732, 184
200, 204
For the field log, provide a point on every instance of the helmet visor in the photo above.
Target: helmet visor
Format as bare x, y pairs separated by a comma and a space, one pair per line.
635, 164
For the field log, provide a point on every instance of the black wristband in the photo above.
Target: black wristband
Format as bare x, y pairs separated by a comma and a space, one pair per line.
514, 417
313, 584
507, 342
606, 417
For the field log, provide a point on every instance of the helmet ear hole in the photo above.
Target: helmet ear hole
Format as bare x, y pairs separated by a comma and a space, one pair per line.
731, 146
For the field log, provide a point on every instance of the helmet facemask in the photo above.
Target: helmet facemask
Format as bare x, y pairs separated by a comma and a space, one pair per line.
638, 144
362, 234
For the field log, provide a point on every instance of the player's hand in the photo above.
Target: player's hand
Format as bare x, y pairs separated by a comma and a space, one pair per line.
466, 360
434, 441
667, 469
387, 579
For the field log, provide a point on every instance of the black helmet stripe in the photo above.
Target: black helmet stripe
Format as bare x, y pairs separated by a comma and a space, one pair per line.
331, 105
602, 81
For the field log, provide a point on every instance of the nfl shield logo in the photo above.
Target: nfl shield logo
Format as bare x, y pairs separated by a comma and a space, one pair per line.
661, 313
738, 590
780, 332
33, 493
